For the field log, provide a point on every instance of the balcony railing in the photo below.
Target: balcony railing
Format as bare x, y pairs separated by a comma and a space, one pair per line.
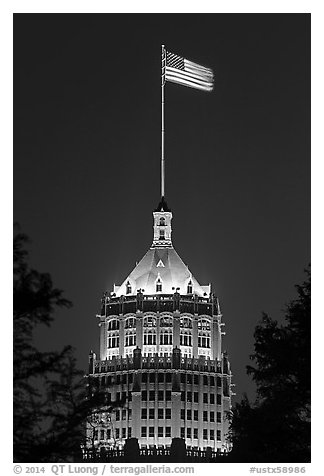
158, 303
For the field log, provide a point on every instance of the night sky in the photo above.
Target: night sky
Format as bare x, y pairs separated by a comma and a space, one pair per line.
87, 160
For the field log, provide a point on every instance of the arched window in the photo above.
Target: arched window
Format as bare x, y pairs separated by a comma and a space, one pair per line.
204, 333
128, 288
162, 234
186, 322
204, 325
162, 221
130, 322
189, 287
158, 285
113, 325
149, 330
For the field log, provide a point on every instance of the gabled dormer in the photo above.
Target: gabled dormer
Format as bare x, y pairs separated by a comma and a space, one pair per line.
162, 226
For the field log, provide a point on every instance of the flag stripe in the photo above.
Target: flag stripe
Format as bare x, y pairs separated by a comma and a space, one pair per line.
189, 84
191, 78
198, 66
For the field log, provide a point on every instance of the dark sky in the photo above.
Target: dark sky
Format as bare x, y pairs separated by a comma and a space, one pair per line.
87, 151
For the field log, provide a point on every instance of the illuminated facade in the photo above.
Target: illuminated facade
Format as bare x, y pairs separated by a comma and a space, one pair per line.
161, 348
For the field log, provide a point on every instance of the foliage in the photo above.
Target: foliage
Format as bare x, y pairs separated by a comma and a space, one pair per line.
276, 428
52, 400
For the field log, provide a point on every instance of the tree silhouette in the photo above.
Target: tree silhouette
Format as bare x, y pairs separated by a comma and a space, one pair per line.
276, 428
52, 398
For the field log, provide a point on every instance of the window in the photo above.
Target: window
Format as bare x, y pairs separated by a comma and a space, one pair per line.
219, 399
196, 379
196, 397
167, 413
102, 434
113, 325
160, 414
143, 432
162, 234
168, 431
130, 340
113, 342
189, 378
168, 377
189, 287
196, 415
130, 378
212, 435
117, 415
219, 417
203, 325
166, 339
159, 286
212, 381
152, 395
204, 341
162, 221
151, 414
205, 437
212, 416
109, 434
124, 414
182, 414
152, 378
188, 414
189, 396
160, 431
182, 433
129, 414
205, 415
195, 433
130, 322
182, 396
123, 432
151, 432
168, 395
188, 432
219, 382
144, 378
149, 338
185, 339
144, 395
212, 398
118, 379
219, 435
160, 378
128, 288
160, 395
205, 380
117, 433
129, 432
183, 378
205, 398
144, 414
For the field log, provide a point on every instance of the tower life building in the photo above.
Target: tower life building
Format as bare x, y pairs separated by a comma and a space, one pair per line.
161, 349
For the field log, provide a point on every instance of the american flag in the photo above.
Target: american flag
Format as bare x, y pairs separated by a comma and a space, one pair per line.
182, 71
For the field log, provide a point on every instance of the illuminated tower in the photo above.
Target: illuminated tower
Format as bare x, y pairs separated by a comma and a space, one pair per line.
161, 347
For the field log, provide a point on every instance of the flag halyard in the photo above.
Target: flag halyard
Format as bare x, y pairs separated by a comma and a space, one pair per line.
182, 71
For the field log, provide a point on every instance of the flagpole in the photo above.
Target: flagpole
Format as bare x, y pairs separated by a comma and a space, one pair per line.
162, 121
